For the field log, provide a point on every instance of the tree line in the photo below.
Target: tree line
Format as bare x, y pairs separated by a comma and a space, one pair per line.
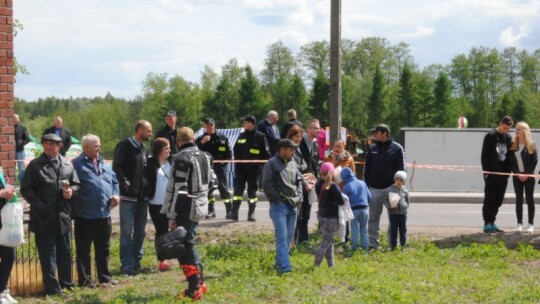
381, 83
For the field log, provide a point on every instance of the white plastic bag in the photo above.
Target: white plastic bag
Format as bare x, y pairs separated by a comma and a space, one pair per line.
12, 232
394, 199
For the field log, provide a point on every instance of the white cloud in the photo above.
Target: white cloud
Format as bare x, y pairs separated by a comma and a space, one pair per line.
420, 32
509, 37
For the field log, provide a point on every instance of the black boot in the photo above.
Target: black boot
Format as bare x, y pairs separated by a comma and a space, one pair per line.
251, 212
211, 211
235, 209
228, 208
196, 286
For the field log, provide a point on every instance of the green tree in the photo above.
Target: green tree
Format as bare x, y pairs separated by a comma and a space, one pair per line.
320, 98
299, 99
442, 93
376, 106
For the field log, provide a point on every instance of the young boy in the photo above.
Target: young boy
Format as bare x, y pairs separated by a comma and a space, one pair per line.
397, 203
359, 197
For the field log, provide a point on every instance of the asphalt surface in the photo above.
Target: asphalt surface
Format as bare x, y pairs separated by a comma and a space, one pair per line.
455, 215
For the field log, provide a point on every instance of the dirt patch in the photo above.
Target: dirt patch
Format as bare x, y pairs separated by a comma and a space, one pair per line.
442, 237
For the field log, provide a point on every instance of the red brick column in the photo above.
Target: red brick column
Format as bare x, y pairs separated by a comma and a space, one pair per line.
7, 146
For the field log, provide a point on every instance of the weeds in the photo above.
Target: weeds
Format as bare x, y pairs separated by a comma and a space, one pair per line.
241, 270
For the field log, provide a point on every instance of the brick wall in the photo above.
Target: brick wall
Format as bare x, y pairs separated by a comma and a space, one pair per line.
7, 147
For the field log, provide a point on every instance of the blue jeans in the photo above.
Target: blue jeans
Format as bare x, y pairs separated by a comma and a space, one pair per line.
284, 219
20, 157
133, 217
359, 228
398, 222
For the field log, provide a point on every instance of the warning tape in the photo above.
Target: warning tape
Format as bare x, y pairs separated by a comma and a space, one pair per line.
414, 165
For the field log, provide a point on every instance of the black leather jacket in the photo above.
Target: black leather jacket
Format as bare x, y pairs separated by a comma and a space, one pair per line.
529, 161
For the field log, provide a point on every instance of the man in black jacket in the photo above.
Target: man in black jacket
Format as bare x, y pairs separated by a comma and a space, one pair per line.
48, 186
291, 115
62, 132
250, 145
217, 145
21, 139
497, 143
169, 130
129, 164
310, 154
384, 158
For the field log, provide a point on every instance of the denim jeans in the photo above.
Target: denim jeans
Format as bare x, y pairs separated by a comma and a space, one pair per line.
398, 222
359, 228
133, 217
20, 157
284, 219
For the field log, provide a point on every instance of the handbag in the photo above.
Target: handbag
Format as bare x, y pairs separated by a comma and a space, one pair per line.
12, 232
171, 244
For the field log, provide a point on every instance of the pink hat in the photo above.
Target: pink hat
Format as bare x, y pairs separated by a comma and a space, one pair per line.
327, 167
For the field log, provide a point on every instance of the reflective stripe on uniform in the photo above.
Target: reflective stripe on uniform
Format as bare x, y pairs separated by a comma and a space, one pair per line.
254, 151
253, 200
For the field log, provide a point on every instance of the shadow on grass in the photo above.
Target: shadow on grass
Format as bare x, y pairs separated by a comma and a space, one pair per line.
511, 239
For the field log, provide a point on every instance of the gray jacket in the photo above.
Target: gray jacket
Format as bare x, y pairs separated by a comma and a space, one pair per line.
403, 204
282, 182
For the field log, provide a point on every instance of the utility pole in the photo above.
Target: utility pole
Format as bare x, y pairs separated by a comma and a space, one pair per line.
335, 71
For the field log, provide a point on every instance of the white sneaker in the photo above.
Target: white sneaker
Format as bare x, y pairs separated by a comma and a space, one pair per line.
530, 228
519, 228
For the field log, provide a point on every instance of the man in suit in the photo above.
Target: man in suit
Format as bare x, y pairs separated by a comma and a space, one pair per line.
59, 130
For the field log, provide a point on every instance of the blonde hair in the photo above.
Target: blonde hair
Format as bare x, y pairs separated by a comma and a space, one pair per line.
524, 139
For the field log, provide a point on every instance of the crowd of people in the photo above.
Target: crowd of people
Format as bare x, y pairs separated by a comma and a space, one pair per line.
175, 174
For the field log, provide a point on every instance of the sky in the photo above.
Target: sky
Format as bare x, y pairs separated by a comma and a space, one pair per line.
87, 48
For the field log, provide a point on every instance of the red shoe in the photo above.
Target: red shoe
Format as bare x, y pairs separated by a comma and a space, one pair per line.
197, 295
164, 266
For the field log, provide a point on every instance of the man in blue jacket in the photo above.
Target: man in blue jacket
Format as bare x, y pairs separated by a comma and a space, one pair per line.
98, 194
384, 158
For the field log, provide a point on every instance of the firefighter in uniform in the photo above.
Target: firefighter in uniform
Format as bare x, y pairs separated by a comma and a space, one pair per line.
217, 145
251, 145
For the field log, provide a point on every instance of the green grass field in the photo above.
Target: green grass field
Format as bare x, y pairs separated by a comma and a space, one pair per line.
239, 270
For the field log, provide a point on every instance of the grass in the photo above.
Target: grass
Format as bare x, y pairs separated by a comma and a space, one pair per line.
239, 270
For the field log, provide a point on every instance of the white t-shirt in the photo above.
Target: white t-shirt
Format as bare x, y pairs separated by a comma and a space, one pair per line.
519, 159
161, 184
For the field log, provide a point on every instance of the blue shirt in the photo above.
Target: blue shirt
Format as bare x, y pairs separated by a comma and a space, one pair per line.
96, 190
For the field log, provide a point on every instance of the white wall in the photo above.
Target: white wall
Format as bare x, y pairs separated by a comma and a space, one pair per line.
430, 146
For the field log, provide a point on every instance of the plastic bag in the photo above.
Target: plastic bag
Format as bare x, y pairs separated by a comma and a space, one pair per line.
394, 199
12, 232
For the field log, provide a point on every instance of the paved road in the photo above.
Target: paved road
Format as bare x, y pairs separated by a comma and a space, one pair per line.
420, 215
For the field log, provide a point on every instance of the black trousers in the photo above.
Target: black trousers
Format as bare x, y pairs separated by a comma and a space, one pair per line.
161, 222
7, 258
519, 186
245, 174
494, 190
223, 187
98, 232
302, 233
55, 255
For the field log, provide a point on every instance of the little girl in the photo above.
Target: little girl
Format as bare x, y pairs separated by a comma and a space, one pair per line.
329, 199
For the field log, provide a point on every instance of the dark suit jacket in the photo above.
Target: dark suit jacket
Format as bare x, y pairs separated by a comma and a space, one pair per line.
65, 135
311, 158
